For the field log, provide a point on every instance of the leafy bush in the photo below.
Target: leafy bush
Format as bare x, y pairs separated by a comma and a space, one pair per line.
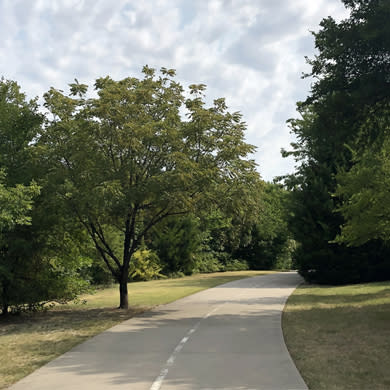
145, 265
332, 265
99, 274
176, 241
236, 265
46, 283
207, 262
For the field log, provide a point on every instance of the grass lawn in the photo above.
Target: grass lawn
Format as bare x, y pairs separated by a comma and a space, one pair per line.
339, 337
28, 341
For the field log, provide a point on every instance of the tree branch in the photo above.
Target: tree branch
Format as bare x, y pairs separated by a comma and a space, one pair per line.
99, 232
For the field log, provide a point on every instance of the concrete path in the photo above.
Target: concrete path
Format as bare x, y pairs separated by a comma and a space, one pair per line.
228, 337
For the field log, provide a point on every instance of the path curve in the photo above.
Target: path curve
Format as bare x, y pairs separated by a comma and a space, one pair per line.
225, 338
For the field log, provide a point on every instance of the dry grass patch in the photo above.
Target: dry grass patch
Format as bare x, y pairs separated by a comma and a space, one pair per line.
339, 337
28, 341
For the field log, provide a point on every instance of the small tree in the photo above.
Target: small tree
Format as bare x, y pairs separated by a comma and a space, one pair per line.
126, 160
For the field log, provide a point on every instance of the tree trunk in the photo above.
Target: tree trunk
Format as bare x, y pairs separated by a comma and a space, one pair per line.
4, 309
124, 297
5, 305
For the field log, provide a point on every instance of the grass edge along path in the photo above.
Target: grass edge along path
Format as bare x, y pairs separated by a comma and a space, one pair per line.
30, 340
339, 337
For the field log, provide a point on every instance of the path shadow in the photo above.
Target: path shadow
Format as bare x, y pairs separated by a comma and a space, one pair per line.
133, 355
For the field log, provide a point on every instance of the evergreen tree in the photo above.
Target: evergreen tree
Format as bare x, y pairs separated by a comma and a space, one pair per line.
351, 74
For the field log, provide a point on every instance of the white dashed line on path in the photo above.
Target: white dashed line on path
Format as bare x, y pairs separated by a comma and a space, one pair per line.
164, 372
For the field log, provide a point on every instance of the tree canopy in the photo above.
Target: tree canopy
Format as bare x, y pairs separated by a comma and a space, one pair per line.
364, 188
36, 265
126, 160
351, 81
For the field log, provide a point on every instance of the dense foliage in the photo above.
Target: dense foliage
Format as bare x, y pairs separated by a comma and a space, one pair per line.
126, 160
342, 150
365, 187
268, 243
36, 263
144, 181
138, 183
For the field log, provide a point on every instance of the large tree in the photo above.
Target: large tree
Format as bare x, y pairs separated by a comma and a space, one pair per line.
364, 189
15, 207
19, 124
127, 159
38, 260
351, 78
15, 204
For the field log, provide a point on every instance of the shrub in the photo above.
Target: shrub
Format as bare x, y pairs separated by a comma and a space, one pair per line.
206, 262
145, 265
176, 241
236, 265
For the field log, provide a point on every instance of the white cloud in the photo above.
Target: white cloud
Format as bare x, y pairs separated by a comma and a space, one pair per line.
249, 51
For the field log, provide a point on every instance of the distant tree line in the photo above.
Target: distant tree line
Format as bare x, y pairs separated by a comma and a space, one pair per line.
139, 182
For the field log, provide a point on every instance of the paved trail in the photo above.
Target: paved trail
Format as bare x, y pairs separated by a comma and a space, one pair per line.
225, 338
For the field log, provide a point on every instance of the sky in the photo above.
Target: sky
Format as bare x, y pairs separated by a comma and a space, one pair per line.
250, 52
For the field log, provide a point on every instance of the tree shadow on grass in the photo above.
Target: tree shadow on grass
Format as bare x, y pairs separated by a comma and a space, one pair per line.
63, 319
339, 299
135, 353
340, 341
71, 320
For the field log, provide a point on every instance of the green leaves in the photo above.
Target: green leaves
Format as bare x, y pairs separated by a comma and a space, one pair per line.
364, 188
78, 89
126, 160
37, 261
335, 193
15, 204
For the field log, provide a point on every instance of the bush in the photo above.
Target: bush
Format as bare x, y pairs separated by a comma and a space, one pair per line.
176, 242
45, 284
145, 265
206, 263
236, 265
99, 274
338, 265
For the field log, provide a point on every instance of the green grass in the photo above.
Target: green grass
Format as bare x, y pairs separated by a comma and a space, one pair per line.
30, 340
339, 337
